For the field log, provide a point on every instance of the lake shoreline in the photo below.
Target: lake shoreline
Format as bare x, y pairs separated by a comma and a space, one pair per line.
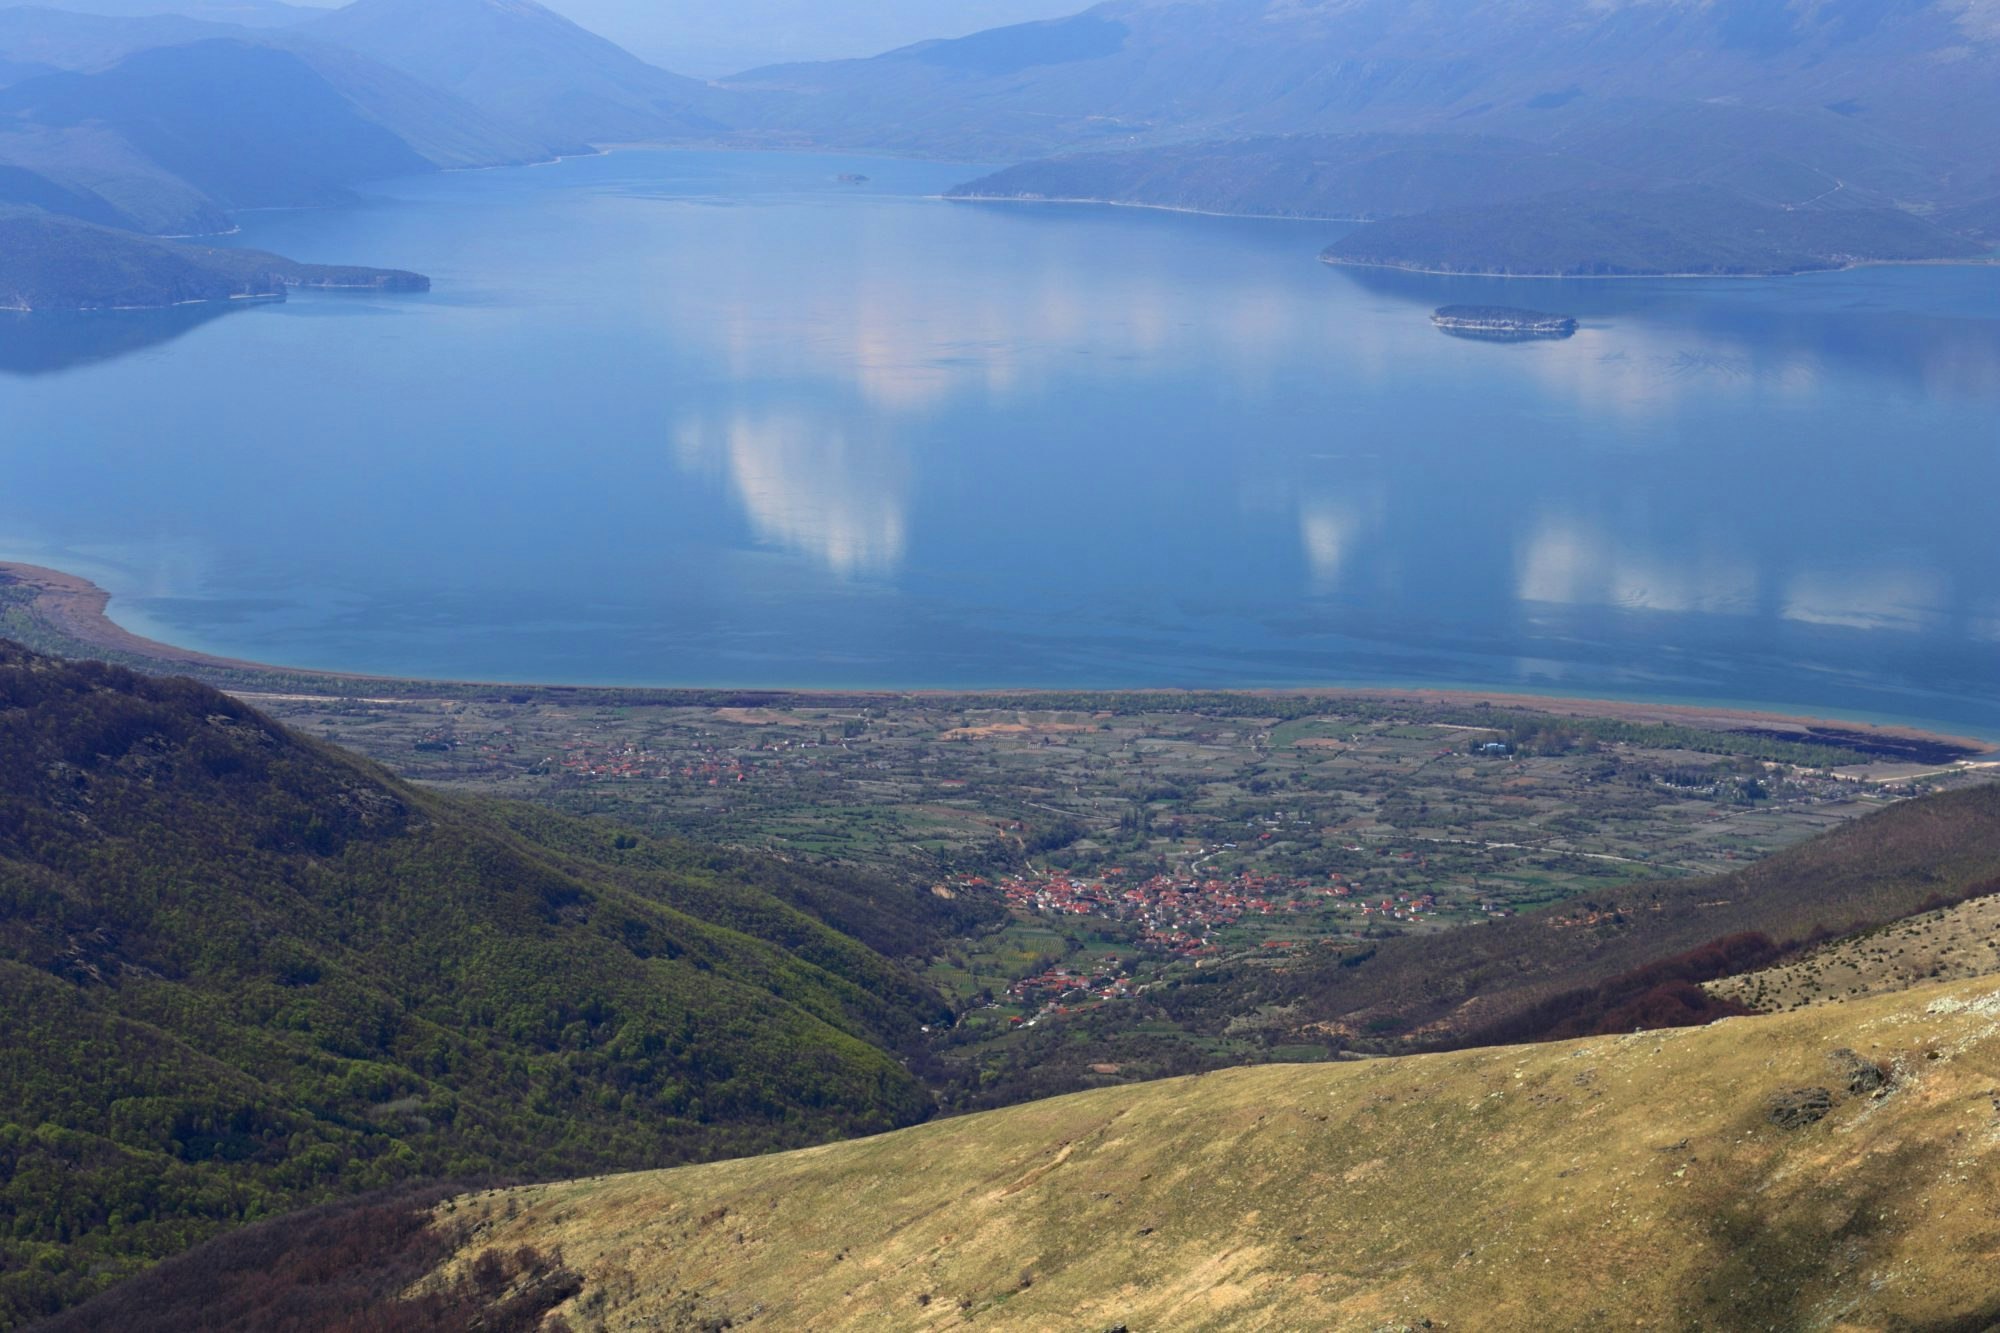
1855, 266
1972, 261
76, 610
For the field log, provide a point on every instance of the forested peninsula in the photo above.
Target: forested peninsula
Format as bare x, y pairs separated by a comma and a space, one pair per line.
54, 263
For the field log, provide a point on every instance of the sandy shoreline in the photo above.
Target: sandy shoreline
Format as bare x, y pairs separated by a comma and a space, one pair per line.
76, 608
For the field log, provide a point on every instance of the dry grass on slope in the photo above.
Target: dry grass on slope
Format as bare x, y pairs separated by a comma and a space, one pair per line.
1638, 1181
1949, 945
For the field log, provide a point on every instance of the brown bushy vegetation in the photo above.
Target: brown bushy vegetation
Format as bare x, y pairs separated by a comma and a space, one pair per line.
1663, 994
1488, 981
344, 1268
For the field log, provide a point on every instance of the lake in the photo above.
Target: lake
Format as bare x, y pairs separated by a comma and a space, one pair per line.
725, 419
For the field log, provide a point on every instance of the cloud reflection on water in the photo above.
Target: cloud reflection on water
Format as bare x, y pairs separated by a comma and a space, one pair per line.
808, 487
1574, 562
895, 327
1895, 597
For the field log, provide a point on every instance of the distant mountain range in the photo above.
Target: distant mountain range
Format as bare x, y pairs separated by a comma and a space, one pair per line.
524, 63
1382, 108
1918, 73
1530, 136
249, 13
167, 124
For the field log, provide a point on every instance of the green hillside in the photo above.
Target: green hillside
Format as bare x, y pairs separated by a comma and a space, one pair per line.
243, 972
1834, 1168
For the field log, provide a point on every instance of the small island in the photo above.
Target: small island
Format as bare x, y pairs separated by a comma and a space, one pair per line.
1494, 321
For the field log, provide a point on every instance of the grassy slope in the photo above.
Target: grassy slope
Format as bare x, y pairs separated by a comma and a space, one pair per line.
1633, 1181
243, 971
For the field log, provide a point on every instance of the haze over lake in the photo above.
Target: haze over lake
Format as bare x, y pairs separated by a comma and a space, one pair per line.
725, 419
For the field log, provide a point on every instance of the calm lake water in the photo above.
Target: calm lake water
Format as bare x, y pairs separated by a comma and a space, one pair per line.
676, 418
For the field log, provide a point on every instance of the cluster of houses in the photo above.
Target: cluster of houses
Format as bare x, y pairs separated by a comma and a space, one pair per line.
1180, 914
626, 762
714, 764
1067, 988
1178, 917
1176, 913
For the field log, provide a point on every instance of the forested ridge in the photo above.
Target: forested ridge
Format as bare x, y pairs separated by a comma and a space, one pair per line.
245, 972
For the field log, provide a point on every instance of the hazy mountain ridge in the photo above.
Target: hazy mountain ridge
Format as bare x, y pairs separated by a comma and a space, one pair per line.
1199, 68
519, 60
165, 125
175, 122
231, 119
1256, 107
249, 13
1360, 109
49, 39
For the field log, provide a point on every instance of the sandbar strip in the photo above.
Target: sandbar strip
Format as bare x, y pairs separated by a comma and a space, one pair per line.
76, 609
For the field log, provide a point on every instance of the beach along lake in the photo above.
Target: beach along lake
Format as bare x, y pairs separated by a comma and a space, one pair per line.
683, 418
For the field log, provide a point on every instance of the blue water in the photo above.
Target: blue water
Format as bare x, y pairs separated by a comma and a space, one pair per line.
676, 418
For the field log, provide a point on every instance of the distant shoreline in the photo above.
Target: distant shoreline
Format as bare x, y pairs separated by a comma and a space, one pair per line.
77, 610
1150, 208
1977, 261
1981, 262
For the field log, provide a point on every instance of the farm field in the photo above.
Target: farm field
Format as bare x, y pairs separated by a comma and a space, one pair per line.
1142, 842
